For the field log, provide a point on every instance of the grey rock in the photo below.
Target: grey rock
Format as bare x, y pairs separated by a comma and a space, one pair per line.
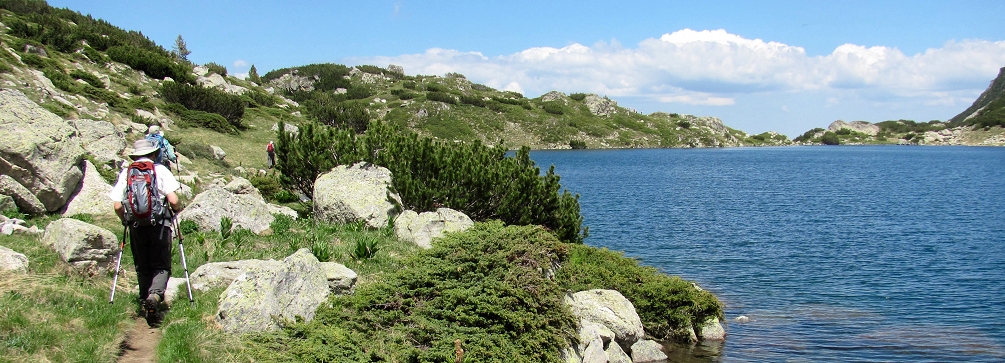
615, 354
288, 128
23, 198
711, 329
7, 204
395, 69
555, 96
569, 355
421, 228
82, 245
38, 149
218, 152
101, 139
594, 352
279, 209
292, 82
92, 195
645, 351
257, 298
356, 193
11, 260
600, 106
221, 274
246, 211
340, 279
588, 331
175, 286
242, 186
857, 126
608, 308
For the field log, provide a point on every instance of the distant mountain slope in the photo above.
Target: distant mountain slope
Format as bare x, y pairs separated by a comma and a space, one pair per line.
989, 108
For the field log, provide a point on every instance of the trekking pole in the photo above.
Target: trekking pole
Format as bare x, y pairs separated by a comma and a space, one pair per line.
181, 248
118, 263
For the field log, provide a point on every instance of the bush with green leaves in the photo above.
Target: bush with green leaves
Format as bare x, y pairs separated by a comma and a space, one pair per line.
326, 109
474, 100
553, 107
153, 64
217, 68
830, 138
578, 96
195, 118
485, 287
212, 100
403, 94
441, 97
577, 144
808, 135
475, 179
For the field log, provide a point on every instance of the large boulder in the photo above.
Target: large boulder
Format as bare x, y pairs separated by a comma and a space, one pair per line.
600, 106
11, 260
7, 204
221, 274
610, 309
38, 149
92, 195
101, 139
857, 126
340, 279
254, 301
712, 329
85, 246
245, 211
421, 228
241, 185
23, 198
356, 193
645, 351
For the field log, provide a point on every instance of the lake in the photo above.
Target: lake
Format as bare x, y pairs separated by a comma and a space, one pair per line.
835, 253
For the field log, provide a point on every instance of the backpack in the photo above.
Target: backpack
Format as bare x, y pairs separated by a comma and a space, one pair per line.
270, 148
158, 141
143, 204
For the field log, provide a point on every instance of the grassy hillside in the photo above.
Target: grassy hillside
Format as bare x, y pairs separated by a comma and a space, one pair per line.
989, 109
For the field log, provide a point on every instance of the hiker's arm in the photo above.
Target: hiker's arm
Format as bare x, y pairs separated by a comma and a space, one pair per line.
174, 202
120, 211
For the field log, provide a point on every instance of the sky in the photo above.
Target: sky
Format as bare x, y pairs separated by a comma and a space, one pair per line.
785, 66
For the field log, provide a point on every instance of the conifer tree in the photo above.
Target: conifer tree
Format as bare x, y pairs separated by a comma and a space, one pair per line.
253, 75
180, 49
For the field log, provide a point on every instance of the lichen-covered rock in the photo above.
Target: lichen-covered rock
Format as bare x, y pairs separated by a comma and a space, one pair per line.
11, 260
23, 198
286, 211
220, 274
421, 228
101, 139
857, 126
340, 279
246, 211
610, 309
241, 185
218, 152
356, 193
287, 127
83, 245
645, 351
254, 301
175, 286
615, 354
92, 196
38, 149
600, 106
594, 352
711, 329
7, 204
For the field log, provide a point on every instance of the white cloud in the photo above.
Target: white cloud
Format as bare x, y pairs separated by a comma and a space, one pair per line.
240, 63
714, 67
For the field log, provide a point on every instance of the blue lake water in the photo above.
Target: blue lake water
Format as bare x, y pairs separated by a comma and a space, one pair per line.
836, 254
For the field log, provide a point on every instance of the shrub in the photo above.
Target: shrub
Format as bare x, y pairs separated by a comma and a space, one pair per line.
153, 64
577, 144
256, 98
483, 287
473, 100
350, 115
202, 119
666, 304
95, 56
266, 185
578, 96
843, 131
212, 100
403, 94
217, 68
87, 77
808, 135
372, 69
684, 124
435, 87
475, 179
830, 138
409, 85
553, 107
441, 97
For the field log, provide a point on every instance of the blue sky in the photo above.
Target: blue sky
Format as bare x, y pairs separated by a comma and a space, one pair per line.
786, 66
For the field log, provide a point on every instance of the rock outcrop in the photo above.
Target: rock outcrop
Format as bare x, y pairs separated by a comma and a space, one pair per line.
221, 274
256, 298
101, 139
91, 197
600, 106
23, 198
356, 193
38, 150
421, 228
84, 246
857, 126
246, 211
609, 330
11, 260
7, 204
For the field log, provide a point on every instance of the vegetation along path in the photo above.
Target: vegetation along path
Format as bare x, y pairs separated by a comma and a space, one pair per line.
140, 343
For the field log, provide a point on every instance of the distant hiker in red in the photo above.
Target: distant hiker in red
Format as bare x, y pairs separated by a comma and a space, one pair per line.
145, 201
271, 151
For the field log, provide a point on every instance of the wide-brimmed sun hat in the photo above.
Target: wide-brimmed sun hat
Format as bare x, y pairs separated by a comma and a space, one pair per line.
142, 147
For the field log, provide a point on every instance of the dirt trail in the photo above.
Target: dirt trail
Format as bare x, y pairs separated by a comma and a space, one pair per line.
140, 343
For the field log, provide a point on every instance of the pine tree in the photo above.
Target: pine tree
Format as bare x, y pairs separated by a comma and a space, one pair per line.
180, 49
253, 75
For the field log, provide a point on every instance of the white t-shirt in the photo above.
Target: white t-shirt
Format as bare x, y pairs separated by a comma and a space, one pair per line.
166, 182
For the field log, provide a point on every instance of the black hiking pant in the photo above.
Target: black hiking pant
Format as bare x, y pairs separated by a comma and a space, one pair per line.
151, 246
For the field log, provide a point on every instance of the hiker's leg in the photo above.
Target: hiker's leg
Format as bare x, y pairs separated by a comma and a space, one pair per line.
160, 259
143, 273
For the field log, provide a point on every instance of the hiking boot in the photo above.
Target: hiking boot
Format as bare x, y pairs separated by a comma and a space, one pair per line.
150, 306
